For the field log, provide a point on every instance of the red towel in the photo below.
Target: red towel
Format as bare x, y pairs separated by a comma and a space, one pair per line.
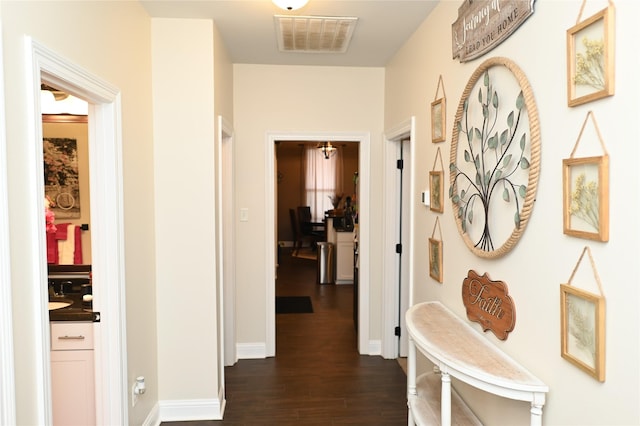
77, 251
52, 248
61, 231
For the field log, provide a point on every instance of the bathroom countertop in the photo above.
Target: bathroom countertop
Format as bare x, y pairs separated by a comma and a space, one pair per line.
78, 311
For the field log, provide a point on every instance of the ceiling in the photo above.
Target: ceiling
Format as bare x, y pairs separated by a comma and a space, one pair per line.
249, 33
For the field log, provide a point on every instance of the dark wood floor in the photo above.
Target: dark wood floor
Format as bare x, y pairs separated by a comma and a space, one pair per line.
317, 376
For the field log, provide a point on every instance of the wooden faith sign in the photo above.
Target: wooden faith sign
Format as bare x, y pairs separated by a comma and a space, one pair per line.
488, 303
484, 24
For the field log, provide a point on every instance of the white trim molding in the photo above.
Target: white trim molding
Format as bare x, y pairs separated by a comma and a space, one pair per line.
190, 409
391, 297
107, 229
251, 350
7, 384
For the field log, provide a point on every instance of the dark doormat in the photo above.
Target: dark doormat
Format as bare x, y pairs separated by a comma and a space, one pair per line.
293, 305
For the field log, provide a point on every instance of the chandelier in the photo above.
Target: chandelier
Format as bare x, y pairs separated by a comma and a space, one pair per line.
327, 149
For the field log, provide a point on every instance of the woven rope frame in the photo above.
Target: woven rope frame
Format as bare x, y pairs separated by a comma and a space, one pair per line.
534, 169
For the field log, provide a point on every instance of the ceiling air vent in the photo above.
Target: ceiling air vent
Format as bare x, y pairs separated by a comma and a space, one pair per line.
314, 34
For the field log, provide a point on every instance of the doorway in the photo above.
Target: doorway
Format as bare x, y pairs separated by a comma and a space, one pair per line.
107, 228
271, 237
398, 213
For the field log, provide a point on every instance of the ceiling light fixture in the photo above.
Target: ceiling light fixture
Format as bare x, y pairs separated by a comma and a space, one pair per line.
290, 4
327, 149
66, 105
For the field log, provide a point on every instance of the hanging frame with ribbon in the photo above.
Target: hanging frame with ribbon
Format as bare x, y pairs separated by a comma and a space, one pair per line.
435, 253
439, 115
582, 337
586, 191
436, 186
590, 57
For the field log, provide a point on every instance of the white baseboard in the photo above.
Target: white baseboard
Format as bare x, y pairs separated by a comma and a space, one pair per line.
375, 347
193, 409
251, 350
153, 419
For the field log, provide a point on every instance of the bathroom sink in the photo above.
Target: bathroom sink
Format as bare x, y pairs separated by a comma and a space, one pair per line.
59, 304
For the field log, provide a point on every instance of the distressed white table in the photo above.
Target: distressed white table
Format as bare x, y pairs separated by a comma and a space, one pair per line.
457, 350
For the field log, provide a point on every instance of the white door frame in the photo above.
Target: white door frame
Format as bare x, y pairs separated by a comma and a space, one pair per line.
363, 229
7, 384
391, 294
226, 242
107, 235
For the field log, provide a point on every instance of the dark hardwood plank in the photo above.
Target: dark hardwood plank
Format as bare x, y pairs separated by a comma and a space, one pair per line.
317, 376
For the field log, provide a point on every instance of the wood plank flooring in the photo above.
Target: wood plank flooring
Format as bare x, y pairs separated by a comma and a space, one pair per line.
317, 376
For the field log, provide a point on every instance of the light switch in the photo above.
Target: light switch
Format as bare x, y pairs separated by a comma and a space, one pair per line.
244, 214
426, 198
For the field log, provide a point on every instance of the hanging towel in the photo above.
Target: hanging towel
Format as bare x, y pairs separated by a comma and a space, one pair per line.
52, 248
77, 251
61, 231
66, 247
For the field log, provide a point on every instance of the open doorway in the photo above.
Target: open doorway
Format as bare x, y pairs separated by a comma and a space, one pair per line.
291, 187
104, 146
68, 226
271, 247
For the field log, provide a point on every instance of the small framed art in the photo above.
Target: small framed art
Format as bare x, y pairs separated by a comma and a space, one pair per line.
438, 121
586, 197
436, 202
590, 58
435, 259
583, 330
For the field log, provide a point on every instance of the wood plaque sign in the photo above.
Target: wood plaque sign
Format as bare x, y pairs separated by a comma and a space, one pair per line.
484, 24
488, 303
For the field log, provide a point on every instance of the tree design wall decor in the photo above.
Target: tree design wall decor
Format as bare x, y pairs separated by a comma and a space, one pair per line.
495, 158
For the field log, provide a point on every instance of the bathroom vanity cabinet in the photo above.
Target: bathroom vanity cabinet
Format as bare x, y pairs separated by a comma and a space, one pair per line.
72, 373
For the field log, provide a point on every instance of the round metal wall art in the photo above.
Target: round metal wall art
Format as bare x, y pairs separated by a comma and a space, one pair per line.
495, 158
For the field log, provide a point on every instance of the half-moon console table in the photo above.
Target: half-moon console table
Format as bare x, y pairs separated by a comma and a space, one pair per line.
457, 350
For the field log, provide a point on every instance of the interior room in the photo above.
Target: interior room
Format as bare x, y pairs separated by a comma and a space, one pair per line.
512, 238
299, 186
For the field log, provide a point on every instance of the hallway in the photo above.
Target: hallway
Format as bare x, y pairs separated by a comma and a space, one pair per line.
317, 376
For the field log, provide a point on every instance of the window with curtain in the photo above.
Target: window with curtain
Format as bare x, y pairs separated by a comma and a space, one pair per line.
323, 180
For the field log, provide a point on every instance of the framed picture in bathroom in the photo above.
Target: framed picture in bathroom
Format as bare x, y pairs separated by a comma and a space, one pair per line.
61, 183
65, 162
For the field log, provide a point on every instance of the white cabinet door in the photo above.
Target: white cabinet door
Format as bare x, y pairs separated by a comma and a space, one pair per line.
72, 378
344, 258
72, 374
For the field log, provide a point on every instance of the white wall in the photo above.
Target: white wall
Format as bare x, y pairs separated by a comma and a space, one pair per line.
295, 99
544, 257
184, 128
84, 33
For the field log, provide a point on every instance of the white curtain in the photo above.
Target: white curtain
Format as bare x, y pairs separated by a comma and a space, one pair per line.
323, 179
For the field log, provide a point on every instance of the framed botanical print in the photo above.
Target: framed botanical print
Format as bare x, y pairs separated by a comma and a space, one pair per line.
583, 330
590, 58
438, 120
436, 195
586, 197
435, 259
